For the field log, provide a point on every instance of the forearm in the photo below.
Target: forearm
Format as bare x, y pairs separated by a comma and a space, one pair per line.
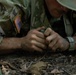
10, 45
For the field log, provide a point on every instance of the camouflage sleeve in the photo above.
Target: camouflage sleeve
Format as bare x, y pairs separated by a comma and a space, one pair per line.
22, 6
9, 9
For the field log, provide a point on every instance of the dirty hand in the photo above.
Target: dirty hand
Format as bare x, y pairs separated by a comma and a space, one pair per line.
55, 41
34, 40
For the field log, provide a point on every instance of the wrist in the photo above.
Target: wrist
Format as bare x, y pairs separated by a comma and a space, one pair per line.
71, 41
22, 43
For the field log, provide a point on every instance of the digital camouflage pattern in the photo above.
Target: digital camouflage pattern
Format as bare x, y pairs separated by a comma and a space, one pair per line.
32, 14
8, 11
10, 8
38, 16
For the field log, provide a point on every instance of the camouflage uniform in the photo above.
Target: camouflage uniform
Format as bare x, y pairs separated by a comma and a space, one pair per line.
32, 15
8, 11
10, 8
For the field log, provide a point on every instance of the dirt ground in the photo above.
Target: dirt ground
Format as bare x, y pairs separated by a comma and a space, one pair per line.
46, 63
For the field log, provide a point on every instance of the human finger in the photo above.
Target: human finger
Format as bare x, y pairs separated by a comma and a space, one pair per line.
48, 31
39, 34
38, 39
38, 44
35, 48
52, 43
55, 47
50, 38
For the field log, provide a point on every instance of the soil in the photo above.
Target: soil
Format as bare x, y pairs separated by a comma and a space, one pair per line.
19, 63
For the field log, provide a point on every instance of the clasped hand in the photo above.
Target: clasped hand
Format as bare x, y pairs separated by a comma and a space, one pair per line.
38, 41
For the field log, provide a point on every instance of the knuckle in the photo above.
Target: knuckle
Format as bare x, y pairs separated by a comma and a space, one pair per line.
33, 36
33, 31
47, 39
49, 29
32, 42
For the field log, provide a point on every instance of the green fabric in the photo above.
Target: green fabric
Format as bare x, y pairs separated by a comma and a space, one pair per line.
7, 8
33, 12
38, 18
71, 4
0, 72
